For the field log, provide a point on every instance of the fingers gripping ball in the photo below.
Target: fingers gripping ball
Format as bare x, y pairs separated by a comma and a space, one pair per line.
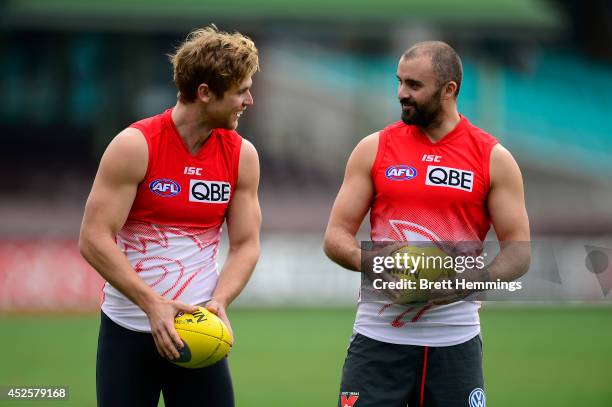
206, 338
421, 263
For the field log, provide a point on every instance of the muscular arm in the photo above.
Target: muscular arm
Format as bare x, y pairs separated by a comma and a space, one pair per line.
122, 168
351, 205
506, 205
243, 224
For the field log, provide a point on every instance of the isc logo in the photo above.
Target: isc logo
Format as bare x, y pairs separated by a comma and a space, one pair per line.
165, 187
449, 177
400, 172
430, 158
209, 191
192, 171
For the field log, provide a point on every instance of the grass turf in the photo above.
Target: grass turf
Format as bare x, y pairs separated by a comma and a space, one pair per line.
533, 356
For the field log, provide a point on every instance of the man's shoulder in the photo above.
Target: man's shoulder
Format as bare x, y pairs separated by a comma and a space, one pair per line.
229, 134
151, 121
395, 126
479, 134
230, 139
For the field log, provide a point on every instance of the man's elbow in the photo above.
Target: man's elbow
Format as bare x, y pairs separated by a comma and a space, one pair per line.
526, 261
85, 244
330, 246
522, 256
249, 249
256, 252
327, 245
89, 243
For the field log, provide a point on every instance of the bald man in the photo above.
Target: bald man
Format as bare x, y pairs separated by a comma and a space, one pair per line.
431, 178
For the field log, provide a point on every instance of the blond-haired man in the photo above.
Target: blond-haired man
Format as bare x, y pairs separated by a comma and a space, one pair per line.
152, 223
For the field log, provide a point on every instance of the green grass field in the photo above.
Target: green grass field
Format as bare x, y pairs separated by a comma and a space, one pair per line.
533, 356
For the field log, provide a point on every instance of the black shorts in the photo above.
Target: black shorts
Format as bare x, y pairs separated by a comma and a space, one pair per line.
379, 374
130, 372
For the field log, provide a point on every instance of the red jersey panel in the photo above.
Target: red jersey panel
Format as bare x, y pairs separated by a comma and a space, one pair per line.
171, 236
431, 191
434, 192
181, 189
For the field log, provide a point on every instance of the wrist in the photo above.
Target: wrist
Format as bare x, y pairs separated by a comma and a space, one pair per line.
148, 301
475, 275
221, 300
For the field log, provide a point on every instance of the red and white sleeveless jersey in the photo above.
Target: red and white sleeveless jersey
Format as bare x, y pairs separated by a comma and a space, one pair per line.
426, 191
172, 232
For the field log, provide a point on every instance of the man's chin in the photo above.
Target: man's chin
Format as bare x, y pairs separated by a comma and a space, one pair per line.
408, 119
232, 125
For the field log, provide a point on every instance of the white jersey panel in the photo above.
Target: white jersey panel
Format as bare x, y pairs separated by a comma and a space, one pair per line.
422, 325
179, 263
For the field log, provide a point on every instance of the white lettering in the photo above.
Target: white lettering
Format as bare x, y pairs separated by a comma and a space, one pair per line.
430, 158
192, 171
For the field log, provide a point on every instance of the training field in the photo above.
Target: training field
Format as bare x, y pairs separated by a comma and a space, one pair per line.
533, 356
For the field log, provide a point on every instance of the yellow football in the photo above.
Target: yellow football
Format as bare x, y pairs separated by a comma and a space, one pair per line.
426, 262
205, 337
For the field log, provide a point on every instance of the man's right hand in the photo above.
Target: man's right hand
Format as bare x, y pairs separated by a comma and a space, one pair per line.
161, 314
382, 249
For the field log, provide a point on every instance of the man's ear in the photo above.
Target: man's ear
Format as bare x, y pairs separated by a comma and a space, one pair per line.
449, 90
204, 94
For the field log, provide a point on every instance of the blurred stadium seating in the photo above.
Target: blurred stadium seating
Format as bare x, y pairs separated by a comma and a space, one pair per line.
537, 75
70, 82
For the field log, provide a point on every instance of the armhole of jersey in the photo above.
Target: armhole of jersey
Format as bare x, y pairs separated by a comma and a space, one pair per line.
487, 162
236, 161
149, 148
380, 152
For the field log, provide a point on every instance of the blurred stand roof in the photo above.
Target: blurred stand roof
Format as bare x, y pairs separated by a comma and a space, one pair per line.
101, 64
365, 15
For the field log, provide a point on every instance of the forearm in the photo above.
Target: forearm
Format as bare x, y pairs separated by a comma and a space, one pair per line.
342, 248
104, 256
511, 263
236, 272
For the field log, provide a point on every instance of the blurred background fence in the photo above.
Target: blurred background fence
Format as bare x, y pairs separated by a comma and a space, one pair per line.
537, 75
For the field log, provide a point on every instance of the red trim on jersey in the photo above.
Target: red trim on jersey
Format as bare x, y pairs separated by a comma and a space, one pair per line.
422, 397
237, 164
422, 232
142, 130
185, 284
421, 312
397, 322
380, 152
384, 308
486, 158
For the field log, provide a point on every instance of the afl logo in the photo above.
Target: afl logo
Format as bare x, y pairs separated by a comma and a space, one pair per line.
165, 187
400, 172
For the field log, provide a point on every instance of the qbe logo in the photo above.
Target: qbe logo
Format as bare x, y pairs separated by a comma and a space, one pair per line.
209, 191
449, 177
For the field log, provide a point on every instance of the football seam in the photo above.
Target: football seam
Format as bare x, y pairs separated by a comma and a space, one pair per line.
202, 333
221, 325
211, 355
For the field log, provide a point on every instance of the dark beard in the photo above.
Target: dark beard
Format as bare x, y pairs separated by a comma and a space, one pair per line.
423, 115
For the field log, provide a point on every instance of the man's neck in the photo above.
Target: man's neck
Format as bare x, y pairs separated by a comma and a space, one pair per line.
444, 125
191, 126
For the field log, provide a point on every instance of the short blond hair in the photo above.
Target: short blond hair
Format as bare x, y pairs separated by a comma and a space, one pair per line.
213, 57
